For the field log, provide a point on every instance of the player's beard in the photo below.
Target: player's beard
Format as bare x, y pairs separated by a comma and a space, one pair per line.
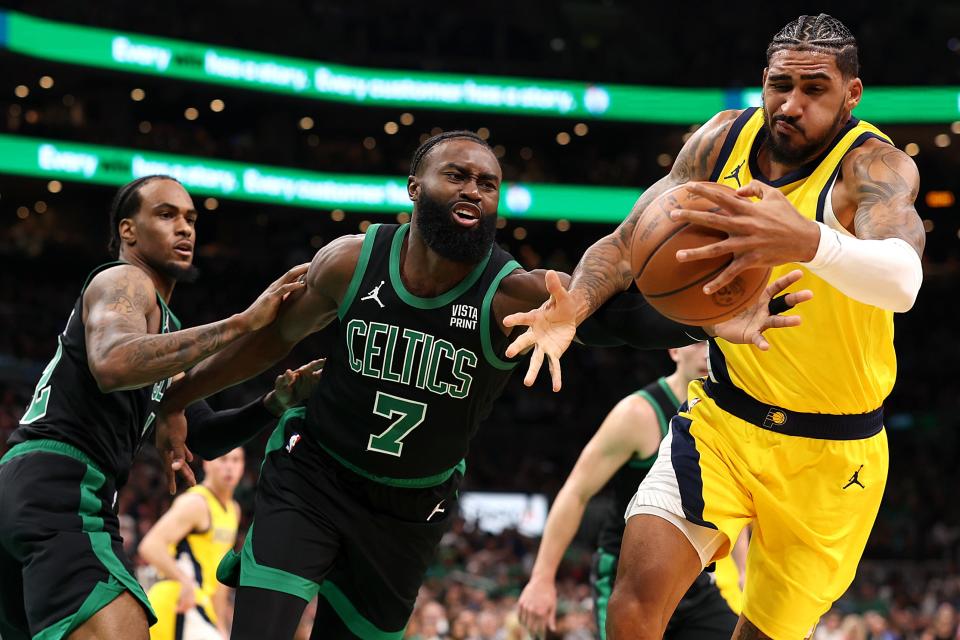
179, 273
460, 244
785, 153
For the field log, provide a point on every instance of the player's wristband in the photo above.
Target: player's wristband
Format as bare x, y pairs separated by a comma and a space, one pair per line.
884, 273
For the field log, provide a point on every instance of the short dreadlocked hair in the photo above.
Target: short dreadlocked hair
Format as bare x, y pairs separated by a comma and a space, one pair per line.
433, 141
125, 204
821, 33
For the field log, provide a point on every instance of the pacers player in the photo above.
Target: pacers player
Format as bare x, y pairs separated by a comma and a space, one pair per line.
773, 437
186, 545
358, 488
621, 452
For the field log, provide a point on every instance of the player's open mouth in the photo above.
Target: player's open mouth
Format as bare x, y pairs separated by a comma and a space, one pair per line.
183, 249
466, 214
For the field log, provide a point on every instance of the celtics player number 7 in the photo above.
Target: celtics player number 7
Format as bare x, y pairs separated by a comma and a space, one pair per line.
407, 415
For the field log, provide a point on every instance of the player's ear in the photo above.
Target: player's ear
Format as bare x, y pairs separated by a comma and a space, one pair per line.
128, 231
413, 187
854, 93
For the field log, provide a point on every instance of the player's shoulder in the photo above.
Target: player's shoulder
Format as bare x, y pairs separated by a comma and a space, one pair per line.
122, 281
338, 257
636, 406
875, 157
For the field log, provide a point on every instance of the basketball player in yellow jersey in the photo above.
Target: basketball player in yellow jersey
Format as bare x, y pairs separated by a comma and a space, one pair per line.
186, 545
788, 435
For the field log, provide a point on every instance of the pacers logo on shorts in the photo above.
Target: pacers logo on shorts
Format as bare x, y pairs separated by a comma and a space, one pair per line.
775, 419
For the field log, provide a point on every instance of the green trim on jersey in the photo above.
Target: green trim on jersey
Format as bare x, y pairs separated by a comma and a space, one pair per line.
50, 446
670, 394
97, 270
606, 563
485, 313
428, 303
165, 309
257, 575
355, 621
645, 463
365, 250
403, 483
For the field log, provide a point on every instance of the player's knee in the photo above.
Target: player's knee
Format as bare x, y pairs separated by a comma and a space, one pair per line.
633, 614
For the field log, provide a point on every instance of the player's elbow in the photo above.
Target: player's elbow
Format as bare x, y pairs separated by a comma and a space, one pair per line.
107, 373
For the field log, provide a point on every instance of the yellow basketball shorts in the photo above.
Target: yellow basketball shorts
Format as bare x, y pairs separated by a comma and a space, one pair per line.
812, 503
196, 624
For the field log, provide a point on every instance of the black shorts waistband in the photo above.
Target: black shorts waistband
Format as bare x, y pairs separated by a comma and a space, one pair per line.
823, 426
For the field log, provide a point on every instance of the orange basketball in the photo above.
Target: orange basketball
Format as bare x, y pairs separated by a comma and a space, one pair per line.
674, 288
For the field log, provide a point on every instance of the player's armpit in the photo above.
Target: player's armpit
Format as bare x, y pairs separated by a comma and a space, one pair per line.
885, 182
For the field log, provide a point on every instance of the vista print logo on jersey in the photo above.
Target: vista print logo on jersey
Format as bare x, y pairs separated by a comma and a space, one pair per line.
464, 316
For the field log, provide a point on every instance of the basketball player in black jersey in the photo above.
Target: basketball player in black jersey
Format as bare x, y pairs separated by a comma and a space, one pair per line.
620, 453
357, 488
61, 556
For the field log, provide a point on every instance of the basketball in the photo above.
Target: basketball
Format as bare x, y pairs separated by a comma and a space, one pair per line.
674, 288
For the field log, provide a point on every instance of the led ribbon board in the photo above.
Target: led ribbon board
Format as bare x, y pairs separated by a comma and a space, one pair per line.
52, 159
315, 80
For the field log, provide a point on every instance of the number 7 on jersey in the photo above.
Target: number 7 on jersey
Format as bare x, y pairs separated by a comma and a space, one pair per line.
407, 415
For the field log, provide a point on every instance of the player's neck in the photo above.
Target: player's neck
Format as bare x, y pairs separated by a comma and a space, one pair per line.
223, 496
163, 284
678, 384
424, 272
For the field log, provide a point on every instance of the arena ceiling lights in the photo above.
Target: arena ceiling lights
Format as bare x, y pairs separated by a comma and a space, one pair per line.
57, 160
137, 53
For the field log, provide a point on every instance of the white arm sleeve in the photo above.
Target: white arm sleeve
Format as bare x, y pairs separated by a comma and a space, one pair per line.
884, 273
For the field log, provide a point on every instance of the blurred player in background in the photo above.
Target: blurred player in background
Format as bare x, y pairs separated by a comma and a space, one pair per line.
622, 451
188, 542
792, 438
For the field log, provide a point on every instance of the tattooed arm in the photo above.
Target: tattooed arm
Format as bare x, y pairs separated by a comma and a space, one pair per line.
885, 182
122, 353
605, 268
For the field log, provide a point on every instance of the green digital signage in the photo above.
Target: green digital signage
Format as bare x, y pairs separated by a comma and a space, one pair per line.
53, 159
317, 80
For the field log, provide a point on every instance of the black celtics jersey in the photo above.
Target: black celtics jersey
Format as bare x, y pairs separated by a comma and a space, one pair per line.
68, 406
628, 477
409, 379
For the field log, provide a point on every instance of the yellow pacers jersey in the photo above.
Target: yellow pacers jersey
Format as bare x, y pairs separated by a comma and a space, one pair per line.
205, 549
841, 359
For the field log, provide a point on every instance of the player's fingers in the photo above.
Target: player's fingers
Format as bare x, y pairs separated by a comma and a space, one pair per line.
779, 322
728, 200
554, 286
293, 274
706, 219
314, 367
783, 282
753, 189
286, 289
795, 298
712, 250
553, 619
725, 277
171, 472
525, 318
526, 340
536, 361
554, 365
760, 342
187, 472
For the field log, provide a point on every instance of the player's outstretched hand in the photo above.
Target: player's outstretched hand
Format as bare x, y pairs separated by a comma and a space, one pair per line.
264, 308
747, 327
188, 596
171, 442
537, 607
293, 387
552, 327
765, 232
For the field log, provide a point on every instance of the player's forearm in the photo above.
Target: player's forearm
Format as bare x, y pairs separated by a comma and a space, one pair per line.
561, 527
212, 433
603, 271
241, 361
154, 551
628, 319
137, 361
